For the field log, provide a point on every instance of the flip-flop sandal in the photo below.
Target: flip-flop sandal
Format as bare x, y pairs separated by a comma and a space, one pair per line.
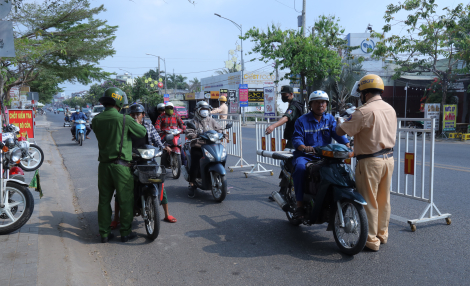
114, 224
170, 218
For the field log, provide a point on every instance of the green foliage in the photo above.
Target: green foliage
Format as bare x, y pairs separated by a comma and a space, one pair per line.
145, 92
47, 85
195, 85
64, 40
430, 37
314, 58
97, 90
177, 81
74, 101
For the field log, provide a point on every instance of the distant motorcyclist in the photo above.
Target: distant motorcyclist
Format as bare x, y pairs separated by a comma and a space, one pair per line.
158, 110
203, 122
67, 114
313, 129
78, 115
169, 119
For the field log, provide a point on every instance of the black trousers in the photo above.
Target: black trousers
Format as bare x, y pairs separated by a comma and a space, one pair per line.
196, 155
88, 130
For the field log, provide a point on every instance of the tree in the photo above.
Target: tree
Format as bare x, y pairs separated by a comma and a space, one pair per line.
145, 92
195, 85
227, 70
433, 42
313, 58
97, 90
63, 40
47, 85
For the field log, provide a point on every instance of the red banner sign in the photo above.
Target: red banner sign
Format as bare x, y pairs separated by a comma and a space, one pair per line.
273, 144
410, 163
234, 138
22, 118
263, 143
283, 143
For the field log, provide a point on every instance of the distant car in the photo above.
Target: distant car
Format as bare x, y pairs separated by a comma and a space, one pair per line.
72, 110
59, 110
182, 112
97, 109
87, 111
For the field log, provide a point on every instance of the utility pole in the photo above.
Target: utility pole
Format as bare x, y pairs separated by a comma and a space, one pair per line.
304, 28
158, 69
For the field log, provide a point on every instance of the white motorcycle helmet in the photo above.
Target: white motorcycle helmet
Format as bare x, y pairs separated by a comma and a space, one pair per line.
318, 95
203, 109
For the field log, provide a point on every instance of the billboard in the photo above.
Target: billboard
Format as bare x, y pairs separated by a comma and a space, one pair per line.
243, 94
269, 101
450, 115
232, 95
256, 96
214, 94
23, 118
431, 110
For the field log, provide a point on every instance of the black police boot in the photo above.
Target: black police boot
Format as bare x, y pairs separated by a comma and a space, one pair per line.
128, 237
106, 239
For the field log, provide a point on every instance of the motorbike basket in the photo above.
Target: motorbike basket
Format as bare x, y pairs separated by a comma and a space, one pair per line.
151, 174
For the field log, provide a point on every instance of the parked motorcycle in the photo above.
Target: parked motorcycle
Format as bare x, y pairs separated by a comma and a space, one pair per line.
173, 160
16, 201
335, 201
211, 174
32, 155
80, 128
148, 187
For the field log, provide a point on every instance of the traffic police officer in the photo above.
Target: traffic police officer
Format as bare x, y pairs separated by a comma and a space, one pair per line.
293, 112
374, 127
313, 129
113, 132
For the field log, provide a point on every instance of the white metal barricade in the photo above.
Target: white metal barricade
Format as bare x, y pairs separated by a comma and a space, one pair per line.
233, 143
410, 187
271, 142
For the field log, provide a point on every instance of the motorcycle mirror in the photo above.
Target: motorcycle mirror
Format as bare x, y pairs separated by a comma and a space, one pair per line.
190, 125
229, 125
169, 138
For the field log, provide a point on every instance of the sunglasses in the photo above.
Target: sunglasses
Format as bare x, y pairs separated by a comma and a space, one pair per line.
169, 107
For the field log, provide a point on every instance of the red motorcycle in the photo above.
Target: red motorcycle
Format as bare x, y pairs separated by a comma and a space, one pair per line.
173, 159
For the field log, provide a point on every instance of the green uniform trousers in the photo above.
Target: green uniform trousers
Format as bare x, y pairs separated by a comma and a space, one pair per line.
115, 177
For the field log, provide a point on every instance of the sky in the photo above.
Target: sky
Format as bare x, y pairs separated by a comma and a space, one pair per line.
195, 42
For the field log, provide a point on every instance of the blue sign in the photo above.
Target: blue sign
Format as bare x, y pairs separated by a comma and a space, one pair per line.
243, 103
166, 96
243, 86
366, 45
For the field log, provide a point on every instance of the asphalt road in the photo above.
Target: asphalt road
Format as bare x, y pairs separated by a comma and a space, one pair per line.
247, 240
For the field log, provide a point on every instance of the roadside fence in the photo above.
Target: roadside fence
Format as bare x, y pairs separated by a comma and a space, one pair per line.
233, 142
416, 184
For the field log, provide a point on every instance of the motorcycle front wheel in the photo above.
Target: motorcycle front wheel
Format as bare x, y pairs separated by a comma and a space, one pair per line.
219, 191
81, 138
152, 223
34, 160
18, 208
176, 165
351, 238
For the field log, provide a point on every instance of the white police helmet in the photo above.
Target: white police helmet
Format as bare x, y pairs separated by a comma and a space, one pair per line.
318, 95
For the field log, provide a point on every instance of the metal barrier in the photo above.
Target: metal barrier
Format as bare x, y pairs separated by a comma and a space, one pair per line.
271, 142
233, 143
424, 192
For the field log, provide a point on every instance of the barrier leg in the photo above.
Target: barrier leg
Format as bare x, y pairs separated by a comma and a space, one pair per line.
259, 167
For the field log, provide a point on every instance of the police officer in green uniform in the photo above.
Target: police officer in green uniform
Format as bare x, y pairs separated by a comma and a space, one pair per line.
293, 112
113, 132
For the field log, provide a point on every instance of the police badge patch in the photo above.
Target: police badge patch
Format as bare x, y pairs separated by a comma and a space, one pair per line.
289, 111
350, 117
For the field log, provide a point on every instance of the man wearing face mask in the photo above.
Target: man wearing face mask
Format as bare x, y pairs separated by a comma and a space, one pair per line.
203, 122
374, 127
313, 129
168, 120
293, 112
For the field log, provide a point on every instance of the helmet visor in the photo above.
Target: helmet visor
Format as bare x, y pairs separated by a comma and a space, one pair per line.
355, 90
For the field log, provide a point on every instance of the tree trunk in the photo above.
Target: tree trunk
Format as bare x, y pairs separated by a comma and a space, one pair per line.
444, 99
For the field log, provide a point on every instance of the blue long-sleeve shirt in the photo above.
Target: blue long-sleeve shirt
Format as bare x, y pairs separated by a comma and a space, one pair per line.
309, 132
78, 116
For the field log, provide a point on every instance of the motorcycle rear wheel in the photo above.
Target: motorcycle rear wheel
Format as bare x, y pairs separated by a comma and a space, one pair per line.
176, 166
25, 163
219, 192
21, 196
355, 219
152, 223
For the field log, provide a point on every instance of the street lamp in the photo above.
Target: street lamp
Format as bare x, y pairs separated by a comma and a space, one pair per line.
243, 64
131, 76
164, 62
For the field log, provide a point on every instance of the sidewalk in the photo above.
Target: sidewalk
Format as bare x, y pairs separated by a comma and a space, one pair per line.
54, 247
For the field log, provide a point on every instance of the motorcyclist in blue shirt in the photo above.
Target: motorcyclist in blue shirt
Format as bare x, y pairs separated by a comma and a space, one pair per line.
313, 129
78, 115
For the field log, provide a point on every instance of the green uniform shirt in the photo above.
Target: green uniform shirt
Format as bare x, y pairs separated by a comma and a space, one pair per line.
108, 127
292, 114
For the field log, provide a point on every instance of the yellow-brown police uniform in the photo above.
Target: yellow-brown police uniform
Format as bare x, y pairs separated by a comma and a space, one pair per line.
374, 127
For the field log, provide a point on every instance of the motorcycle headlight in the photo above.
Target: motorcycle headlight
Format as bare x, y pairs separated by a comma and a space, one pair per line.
15, 155
224, 154
214, 137
209, 155
146, 153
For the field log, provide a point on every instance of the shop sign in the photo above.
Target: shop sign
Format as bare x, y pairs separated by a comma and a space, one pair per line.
215, 94
269, 101
190, 96
232, 95
207, 94
200, 95
22, 118
233, 107
223, 92
431, 110
450, 115
255, 96
243, 94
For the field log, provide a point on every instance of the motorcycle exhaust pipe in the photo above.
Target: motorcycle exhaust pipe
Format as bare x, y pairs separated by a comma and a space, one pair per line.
280, 200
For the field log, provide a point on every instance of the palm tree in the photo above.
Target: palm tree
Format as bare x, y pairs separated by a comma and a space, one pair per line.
226, 71
195, 84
